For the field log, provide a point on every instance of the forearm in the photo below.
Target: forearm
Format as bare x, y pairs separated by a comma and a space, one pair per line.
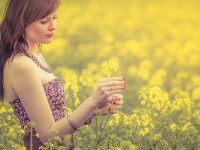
84, 112
105, 88
79, 116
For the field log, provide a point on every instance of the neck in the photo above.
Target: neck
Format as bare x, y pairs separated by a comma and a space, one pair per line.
33, 48
34, 51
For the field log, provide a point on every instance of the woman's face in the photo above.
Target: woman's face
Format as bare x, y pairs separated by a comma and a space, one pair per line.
41, 31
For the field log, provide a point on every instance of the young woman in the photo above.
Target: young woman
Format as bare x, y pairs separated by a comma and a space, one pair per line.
29, 85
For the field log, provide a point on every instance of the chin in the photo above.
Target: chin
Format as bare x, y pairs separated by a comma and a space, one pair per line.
46, 42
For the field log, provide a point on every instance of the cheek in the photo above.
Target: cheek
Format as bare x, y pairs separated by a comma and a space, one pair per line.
34, 33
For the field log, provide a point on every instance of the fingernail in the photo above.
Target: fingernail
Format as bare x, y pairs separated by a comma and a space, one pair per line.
124, 82
113, 98
114, 103
124, 78
109, 109
123, 88
124, 85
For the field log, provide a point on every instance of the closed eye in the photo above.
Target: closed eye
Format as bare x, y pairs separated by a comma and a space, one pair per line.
44, 22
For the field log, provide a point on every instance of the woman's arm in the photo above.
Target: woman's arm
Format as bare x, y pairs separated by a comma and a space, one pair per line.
27, 83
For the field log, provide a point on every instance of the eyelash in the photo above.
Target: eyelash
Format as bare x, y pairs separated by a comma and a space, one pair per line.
44, 22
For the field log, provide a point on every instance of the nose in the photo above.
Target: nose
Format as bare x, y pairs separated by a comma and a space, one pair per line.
53, 25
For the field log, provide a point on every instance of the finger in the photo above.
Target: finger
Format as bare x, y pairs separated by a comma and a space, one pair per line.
119, 102
115, 91
115, 97
112, 79
115, 88
112, 84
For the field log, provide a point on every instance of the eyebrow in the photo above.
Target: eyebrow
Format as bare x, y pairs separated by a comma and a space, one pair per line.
49, 17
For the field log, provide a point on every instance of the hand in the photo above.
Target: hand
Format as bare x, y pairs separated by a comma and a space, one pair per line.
107, 87
111, 105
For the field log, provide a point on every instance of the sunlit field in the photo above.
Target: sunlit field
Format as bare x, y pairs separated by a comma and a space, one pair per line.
154, 44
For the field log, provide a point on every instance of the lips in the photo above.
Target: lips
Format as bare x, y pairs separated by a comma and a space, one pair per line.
50, 35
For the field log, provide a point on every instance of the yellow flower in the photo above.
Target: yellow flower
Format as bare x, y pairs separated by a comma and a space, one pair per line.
133, 116
157, 137
155, 114
142, 102
37, 135
110, 67
126, 120
11, 130
10, 110
77, 102
51, 145
8, 117
173, 127
21, 148
116, 119
185, 127
110, 123
2, 110
144, 131
145, 119
138, 121
22, 131
68, 110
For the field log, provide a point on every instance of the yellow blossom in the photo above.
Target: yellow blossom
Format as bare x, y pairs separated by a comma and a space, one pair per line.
37, 135
126, 120
68, 110
11, 130
10, 110
77, 102
110, 67
144, 131
138, 121
22, 131
110, 123
173, 127
51, 145
157, 136
142, 102
8, 117
2, 110
116, 119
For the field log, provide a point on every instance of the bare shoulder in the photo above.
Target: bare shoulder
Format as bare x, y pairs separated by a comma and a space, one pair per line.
19, 66
19, 63
17, 72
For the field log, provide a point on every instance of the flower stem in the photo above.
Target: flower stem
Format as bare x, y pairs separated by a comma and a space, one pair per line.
31, 139
84, 139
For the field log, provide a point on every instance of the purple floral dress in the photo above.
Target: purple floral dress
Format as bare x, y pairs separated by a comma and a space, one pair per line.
55, 95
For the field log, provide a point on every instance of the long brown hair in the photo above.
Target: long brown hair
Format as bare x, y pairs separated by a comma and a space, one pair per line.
17, 16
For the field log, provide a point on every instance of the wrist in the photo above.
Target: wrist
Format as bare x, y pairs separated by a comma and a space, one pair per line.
92, 103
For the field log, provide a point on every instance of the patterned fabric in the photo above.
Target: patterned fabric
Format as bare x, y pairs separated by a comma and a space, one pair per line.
55, 95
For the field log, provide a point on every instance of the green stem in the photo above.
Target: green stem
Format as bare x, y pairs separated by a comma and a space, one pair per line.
104, 127
84, 139
2, 118
31, 139
108, 143
112, 70
97, 129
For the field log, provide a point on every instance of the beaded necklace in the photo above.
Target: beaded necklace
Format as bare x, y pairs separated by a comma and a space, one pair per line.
39, 64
